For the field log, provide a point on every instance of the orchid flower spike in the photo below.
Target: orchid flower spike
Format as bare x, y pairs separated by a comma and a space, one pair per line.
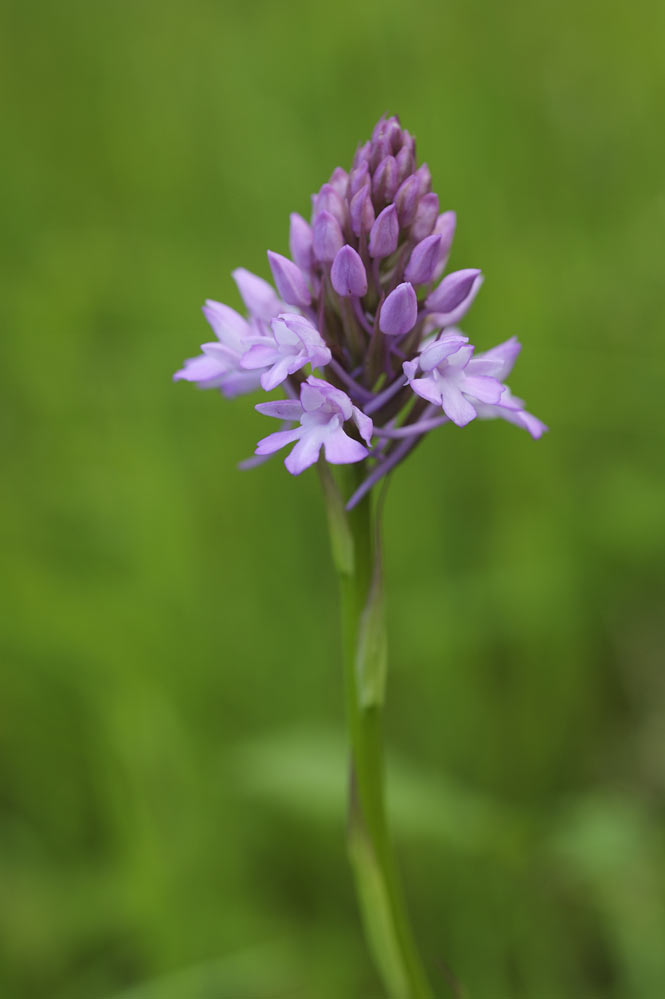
364, 300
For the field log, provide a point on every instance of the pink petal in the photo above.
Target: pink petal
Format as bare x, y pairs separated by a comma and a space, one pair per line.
341, 449
272, 443
282, 409
454, 405
259, 296
306, 451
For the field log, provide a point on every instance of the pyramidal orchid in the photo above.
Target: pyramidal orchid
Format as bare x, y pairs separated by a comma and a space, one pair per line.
363, 301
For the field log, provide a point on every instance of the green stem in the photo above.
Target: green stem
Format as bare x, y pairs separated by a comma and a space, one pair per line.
370, 849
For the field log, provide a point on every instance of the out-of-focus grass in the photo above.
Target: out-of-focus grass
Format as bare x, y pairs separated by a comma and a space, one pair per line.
171, 714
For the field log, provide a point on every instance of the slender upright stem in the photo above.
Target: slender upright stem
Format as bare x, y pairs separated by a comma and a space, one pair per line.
356, 551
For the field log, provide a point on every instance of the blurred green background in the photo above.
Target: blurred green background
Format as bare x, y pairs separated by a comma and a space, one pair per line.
171, 715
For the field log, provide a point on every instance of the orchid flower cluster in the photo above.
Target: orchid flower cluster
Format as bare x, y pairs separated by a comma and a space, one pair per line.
364, 302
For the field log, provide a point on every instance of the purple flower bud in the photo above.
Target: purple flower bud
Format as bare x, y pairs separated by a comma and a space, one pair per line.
358, 177
384, 233
408, 142
327, 236
426, 215
384, 181
393, 135
406, 201
300, 242
339, 181
423, 261
399, 311
405, 162
328, 200
445, 227
424, 179
453, 298
361, 211
362, 154
380, 127
380, 149
348, 274
290, 281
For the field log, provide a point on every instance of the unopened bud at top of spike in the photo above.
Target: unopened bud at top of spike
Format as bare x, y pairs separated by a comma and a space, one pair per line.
358, 177
399, 311
361, 211
384, 234
327, 237
300, 242
426, 216
453, 298
445, 227
384, 181
290, 281
328, 200
339, 181
406, 201
424, 258
348, 273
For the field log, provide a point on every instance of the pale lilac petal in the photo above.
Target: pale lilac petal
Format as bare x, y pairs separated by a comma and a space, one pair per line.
364, 424
484, 389
223, 355
399, 311
239, 383
281, 370
453, 298
202, 369
281, 409
286, 338
526, 421
228, 326
410, 368
427, 388
306, 451
461, 357
297, 332
259, 296
532, 424
437, 351
290, 280
510, 401
328, 393
454, 404
445, 227
348, 273
260, 356
341, 449
497, 362
273, 442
